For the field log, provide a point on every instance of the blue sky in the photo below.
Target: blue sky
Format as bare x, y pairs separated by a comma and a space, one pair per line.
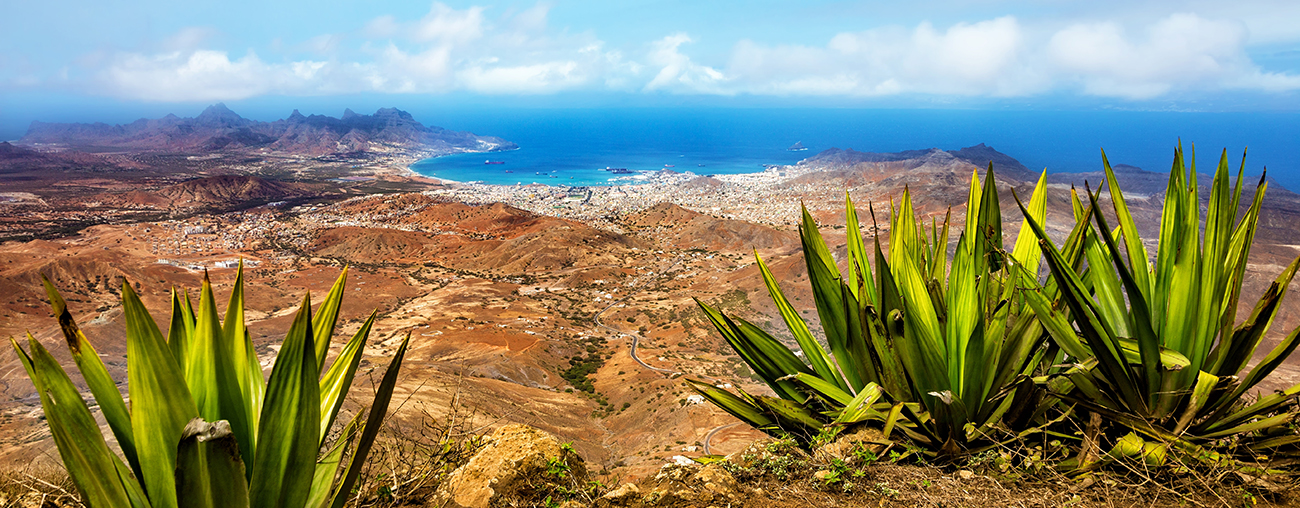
101, 60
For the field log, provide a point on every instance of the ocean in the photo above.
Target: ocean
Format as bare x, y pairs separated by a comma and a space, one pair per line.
575, 146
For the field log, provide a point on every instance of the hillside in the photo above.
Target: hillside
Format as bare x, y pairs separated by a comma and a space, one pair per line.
227, 190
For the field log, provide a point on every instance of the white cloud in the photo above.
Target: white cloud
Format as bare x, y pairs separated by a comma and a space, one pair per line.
984, 58
449, 26
677, 73
516, 52
198, 75
1182, 51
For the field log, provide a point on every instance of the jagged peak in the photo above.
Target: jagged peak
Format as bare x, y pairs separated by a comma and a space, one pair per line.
219, 113
296, 116
387, 112
348, 114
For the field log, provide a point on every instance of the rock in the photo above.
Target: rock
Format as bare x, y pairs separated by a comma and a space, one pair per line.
518, 464
623, 494
848, 446
716, 480
676, 486
965, 474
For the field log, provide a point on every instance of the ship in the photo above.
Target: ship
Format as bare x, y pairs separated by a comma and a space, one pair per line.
494, 162
619, 171
797, 147
669, 166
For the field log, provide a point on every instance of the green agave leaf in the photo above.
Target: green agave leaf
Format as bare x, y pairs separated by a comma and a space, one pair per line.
1026, 249
96, 376
289, 435
1214, 274
826, 286
1275, 421
213, 375
821, 362
334, 385
161, 403
860, 408
792, 416
1268, 364
374, 421
859, 269
245, 367
1137, 253
736, 406
770, 359
1205, 384
209, 472
1148, 343
1264, 405
1096, 333
182, 324
1236, 348
85, 454
827, 390
327, 316
330, 464
134, 492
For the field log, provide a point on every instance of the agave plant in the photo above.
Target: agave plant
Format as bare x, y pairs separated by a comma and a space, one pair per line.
203, 427
1157, 346
951, 349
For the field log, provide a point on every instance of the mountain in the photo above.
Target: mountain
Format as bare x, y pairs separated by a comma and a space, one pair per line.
220, 129
980, 155
226, 190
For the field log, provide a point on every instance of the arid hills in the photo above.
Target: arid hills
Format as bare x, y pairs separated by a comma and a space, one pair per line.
60, 178
506, 298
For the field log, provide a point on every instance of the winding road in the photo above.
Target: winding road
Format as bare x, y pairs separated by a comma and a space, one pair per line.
709, 437
636, 338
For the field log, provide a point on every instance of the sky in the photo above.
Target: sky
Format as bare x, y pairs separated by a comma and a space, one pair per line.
78, 60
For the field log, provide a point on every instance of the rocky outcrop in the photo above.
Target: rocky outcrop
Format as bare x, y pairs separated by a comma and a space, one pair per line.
519, 466
679, 486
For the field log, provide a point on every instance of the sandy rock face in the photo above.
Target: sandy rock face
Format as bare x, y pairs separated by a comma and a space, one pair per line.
678, 486
519, 463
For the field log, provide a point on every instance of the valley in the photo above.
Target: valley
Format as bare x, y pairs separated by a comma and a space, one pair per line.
524, 303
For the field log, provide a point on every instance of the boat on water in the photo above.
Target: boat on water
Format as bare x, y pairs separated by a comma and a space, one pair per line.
797, 147
669, 166
494, 162
619, 171
509, 171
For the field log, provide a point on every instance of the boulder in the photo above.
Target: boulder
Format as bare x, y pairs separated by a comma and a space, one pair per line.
518, 466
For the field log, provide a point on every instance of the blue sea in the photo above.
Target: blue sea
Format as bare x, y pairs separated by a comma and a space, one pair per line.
575, 146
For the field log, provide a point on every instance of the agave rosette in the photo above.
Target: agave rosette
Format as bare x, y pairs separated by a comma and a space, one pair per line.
203, 427
1156, 347
943, 351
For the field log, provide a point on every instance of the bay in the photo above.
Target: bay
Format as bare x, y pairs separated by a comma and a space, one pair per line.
575, 146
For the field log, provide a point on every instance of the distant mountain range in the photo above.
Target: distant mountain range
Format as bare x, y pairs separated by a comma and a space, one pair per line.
220, 129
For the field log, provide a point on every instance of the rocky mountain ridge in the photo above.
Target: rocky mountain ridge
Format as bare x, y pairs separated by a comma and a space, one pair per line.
218, 128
